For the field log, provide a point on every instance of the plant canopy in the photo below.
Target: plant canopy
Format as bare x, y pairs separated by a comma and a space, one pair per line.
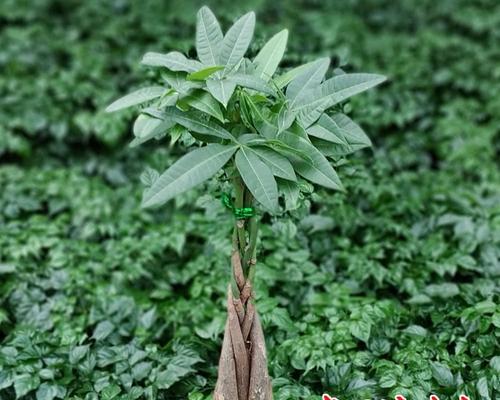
274, 131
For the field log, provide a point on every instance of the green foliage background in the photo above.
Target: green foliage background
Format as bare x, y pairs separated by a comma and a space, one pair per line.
390, 288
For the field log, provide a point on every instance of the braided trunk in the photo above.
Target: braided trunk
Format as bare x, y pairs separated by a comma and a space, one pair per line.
243, 371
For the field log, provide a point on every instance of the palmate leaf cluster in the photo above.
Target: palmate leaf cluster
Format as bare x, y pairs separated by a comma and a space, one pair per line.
273, 131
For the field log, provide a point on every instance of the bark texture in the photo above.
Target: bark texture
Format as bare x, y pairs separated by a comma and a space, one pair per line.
243, 371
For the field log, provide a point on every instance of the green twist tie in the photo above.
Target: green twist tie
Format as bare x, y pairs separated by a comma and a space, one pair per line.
239, 213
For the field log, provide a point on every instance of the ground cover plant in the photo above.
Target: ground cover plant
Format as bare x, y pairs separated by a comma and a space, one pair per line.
267, 131
390, 287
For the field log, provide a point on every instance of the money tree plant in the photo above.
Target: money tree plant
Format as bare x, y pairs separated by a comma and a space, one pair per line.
265, 134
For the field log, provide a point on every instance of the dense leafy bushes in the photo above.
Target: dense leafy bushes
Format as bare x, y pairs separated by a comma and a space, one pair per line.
392, 287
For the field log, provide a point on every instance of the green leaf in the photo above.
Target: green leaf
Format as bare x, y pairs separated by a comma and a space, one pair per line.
6, 379
309, 78
145, 124
334, 90
77, 353
283, 80
7, 268
416, 330
270, 55
189, 171
137, 356
286, 117
48, 391
179, 83
177, 132
191, 121
103, 330
140, 140
280, 166
141, 370
251, 139
221, 89
258, 178
486, 307
137, 97
177, 367
25, 383
208, 37
317, 223
281, 318
110, 392
146, 127
494, 363
236, 41
340, 130
360, 330
291, 192
442, 290
204, 102
495, 319
341, 87
174, 61
204, 73
388, 381
482, 388
286, 149
442, 374
134, 393
251, 82
316, 168
327, 129
88, 363
245, 67
171, 375
251, 103
310, 115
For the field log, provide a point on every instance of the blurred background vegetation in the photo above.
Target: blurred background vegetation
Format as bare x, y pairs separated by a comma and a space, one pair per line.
390, 288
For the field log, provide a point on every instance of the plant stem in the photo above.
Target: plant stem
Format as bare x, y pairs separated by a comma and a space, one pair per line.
247, 248
252, 243
239, 202
235, 286
251, 256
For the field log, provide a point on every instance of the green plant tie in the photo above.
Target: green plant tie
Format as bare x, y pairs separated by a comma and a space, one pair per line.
239, 213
